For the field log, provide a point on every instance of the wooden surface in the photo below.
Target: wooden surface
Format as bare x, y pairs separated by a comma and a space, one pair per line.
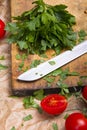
78, 9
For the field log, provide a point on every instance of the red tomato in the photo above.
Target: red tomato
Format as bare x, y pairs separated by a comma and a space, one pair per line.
84, 92
76, 121
2, 27
54, 104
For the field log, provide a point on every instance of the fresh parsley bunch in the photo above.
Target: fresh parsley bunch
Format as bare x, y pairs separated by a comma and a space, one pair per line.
43, 27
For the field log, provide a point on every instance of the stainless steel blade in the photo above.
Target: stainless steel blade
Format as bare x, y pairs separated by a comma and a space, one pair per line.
60, 60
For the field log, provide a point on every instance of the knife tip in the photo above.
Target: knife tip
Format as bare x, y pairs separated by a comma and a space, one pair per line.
27, 79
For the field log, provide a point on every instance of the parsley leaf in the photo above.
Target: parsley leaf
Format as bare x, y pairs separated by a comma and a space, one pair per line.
28, 117
52, 62
82, 34
66, 115
55, 126
2, 67
18, 57
21, 65
35, 63
49, 79
29, 102
39, 94
13, 128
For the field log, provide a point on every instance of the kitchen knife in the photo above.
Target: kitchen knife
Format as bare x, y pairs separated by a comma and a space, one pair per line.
54, 63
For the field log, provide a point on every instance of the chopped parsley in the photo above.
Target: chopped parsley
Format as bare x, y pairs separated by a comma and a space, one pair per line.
28, 117
55, 126
3, 67
29, 102
44, 27
35, 63
21, 65
18, 57
52, 62
39, 94
22, 58
13, 128
66, 115
82, 34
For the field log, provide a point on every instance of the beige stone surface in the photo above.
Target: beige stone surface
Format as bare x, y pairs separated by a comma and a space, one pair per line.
12, 111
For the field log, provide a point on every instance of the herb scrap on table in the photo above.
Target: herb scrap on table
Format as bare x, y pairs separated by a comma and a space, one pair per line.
13, 128
55, 126
3, 67
28, 117
29, 102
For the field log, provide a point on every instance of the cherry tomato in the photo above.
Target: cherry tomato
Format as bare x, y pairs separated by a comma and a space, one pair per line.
54, 104
2, 27
76, 121
84, 92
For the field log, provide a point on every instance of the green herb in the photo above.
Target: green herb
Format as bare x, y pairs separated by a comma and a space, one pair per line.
43, 27
49, 79
55, 126
83, 77
76, 94
66, 73
18, 57
44, 55
84, 111
48, 85
26, 118
35, 63
26, 68
52, 62
13, 128
39, 94
82, 34
80, 83
63, 74
56, 72
65, 117
2, 58
12, 96
23, 57
21, 65
3, 67
29, 102
63, 86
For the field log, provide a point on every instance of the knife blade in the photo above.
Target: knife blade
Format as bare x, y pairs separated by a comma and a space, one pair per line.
58, 61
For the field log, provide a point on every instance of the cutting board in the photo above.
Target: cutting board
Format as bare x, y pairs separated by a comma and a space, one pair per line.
79, 9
